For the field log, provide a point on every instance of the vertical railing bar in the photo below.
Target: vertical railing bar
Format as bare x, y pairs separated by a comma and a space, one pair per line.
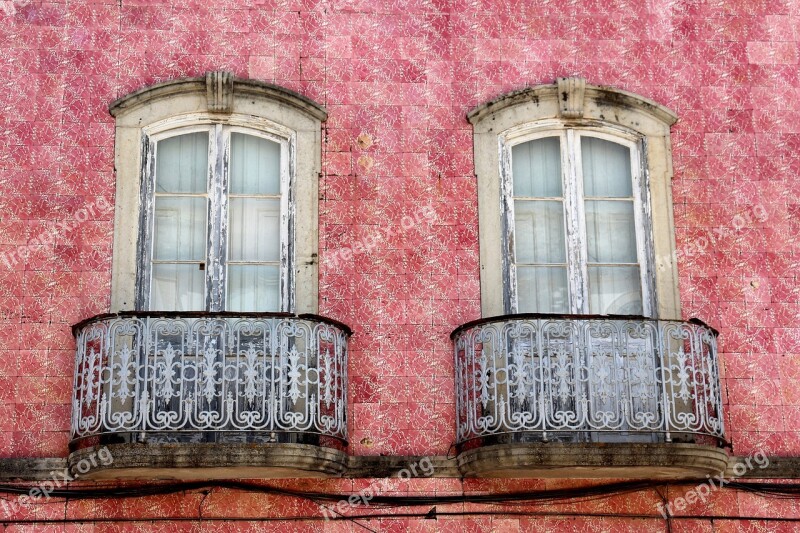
665, 370
697, 357
539, 382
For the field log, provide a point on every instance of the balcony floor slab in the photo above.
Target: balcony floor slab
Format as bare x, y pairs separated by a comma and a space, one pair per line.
186, 461
593, 460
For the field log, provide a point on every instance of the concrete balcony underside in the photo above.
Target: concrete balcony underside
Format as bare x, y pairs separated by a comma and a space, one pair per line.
191, 461
186, 461
593, 460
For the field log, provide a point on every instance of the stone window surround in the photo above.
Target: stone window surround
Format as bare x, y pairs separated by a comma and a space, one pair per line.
219, 97
571, 103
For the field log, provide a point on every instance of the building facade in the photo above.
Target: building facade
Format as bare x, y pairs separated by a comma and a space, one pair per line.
426, 266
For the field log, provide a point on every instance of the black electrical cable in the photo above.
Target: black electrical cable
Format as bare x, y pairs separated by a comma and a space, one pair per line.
392, 516
99, 491
775, 490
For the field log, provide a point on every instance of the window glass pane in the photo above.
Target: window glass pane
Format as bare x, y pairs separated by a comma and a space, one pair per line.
606, 168
177, 288
180, 229
255, 229
610, 231
182, 163
255, 165
542, 290
539, 231
615, 290
253, 288
536, 167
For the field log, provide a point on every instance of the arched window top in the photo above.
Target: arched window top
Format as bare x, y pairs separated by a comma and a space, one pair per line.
573, 100
575, 206
217, 92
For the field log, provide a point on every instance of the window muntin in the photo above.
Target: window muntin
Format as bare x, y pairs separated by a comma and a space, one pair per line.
577, 223
217, 221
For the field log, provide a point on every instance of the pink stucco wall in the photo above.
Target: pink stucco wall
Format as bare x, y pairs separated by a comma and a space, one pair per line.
400, 77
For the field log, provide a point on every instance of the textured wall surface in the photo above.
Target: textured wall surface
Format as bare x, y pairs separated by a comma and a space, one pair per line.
397, 79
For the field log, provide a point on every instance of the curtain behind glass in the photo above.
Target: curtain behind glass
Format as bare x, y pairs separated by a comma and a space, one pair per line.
613, 268
254, 223
180, 221
539, 243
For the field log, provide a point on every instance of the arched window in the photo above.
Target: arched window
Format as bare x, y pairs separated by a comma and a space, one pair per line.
575, 204
216, 197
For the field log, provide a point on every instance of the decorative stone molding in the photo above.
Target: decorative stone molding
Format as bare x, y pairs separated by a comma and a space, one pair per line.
30, 468
37, 469
570, 97
598, 101
219, 91
133, 106
186, 461
214, 461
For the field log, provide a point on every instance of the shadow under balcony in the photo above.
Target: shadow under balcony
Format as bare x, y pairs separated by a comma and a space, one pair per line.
588, 396
210, 395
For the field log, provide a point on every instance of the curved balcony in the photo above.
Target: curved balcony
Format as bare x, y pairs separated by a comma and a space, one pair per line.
567, 390
197, 378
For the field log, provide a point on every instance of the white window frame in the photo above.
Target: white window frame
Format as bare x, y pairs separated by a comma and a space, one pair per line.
219, 132
571, 103
573, 204
221, 99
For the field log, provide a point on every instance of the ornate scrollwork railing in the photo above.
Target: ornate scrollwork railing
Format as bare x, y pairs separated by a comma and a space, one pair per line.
195, 376
587, 378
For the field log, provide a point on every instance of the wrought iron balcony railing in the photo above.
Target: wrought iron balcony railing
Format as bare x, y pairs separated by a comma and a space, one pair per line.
210, 376
578, 378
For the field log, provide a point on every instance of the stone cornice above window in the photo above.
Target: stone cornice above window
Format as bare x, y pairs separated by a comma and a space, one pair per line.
219, 88
573, 98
